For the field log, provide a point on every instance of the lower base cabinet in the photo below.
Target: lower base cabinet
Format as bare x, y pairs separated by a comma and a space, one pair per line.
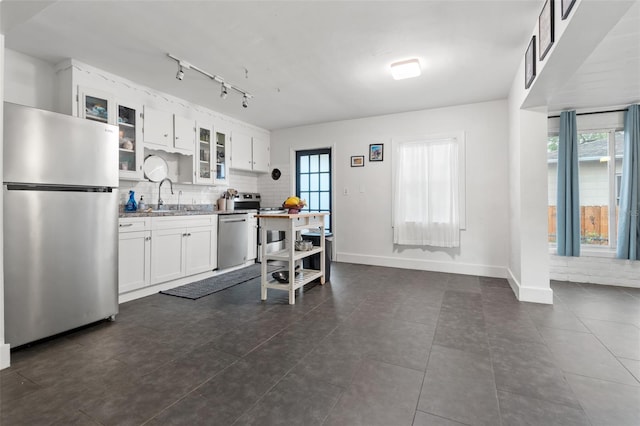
134, 258
172, 248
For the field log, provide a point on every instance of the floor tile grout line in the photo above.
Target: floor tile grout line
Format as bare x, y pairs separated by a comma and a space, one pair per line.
493, 372
279, 380
604, 346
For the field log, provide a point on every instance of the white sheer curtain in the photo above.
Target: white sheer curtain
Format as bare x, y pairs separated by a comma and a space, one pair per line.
426, 199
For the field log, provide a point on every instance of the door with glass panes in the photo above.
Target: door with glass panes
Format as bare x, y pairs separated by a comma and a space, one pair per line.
313, 181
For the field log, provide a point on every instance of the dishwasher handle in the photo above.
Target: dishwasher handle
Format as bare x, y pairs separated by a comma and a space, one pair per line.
233, 220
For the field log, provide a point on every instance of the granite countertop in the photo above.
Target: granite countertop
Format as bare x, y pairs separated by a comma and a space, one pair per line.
188, 210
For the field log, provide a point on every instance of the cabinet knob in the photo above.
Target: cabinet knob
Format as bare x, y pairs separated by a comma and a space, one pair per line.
166, 134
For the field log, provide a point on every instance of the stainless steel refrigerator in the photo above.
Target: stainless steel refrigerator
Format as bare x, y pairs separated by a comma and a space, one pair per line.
60, 223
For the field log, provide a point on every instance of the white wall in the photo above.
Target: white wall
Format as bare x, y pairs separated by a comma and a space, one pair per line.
596, 268
30, 81
528, 265
362, 218
4, 348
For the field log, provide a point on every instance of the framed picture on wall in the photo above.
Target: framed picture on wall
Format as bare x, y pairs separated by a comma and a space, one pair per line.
545, 28
566, 7
357, 161
530, 63
376, 151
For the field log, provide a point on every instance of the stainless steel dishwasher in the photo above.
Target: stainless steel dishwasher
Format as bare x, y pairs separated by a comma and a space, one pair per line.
232, 239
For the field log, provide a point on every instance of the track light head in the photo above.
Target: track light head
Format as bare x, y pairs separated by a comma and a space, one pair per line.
245, 101
223, 91
180, 74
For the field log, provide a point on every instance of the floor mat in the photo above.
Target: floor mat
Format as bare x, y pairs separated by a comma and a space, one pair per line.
198, 289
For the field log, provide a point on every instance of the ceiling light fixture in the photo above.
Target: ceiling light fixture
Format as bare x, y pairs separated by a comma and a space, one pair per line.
405, 69
180, 74
224, 89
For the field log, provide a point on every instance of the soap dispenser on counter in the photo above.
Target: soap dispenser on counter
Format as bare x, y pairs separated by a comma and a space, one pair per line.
141, 204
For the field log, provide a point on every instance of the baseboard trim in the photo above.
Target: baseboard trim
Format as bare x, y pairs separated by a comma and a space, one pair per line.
5, 356
156, 288
529, 294
424, 265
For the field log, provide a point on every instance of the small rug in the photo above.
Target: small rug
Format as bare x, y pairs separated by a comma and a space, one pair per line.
198, 289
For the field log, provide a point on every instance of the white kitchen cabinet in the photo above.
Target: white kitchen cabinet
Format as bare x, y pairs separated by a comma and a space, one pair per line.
201, 249
168, 132
129, 123
134, 254
167, 255
203, 158
249, 152
252, 237
96, 105
222, 152
183, 246
241, 156
184, 134
261, 153
102, 107
158, 128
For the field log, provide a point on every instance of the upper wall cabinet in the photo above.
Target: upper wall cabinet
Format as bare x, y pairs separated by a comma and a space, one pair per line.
158, 128
168, 132
102, 107
241, 157
261, 154
130, 145
96, 105
203, 167
249, 153
184, 134
222, 155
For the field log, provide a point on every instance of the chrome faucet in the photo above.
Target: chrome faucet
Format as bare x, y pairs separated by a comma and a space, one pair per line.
160, 202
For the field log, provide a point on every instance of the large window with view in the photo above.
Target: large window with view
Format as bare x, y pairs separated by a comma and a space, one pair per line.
313, 181
600, 167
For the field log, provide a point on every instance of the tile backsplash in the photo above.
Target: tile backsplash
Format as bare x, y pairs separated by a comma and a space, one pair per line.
185, 193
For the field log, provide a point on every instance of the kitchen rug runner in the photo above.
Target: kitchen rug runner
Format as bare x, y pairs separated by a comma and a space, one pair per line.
198, 289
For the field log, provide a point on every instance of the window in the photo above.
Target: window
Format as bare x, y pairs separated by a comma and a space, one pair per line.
313, 181
600, 164
428, 194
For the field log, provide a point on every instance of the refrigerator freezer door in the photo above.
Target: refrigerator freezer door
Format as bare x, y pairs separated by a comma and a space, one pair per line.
43, 147
61, 261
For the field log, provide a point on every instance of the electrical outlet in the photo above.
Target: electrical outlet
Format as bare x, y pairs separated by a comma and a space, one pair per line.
345, 191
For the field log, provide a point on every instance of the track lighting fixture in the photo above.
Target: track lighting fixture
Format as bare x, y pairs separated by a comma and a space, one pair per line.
224, 89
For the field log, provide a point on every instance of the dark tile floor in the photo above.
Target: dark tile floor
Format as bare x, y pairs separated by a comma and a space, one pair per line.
377, 346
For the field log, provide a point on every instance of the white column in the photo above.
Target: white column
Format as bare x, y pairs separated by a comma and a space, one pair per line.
4, 348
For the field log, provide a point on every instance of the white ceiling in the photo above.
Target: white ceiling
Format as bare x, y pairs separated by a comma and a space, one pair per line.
304, 61
611, 74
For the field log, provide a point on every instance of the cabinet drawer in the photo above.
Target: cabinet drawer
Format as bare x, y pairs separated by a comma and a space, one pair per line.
182, 221
133, 224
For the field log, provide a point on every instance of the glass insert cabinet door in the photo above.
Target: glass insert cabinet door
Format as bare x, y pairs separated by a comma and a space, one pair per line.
204, 155
127, 125
96, 109
221, 156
